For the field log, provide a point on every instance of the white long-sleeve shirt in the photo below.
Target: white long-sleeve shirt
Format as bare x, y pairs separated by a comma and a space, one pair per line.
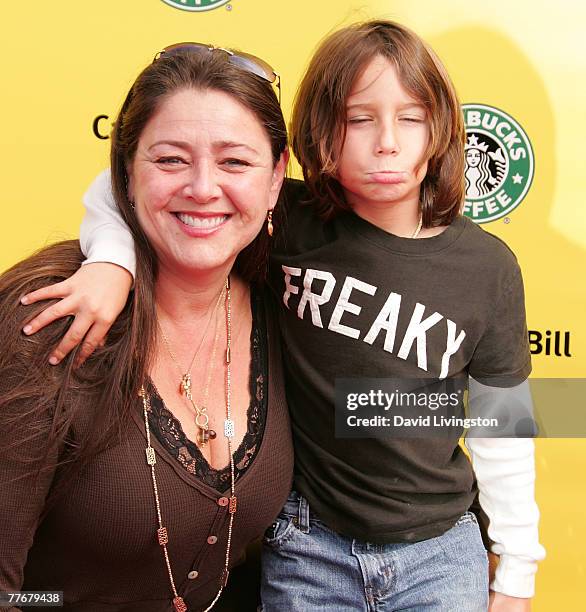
504, 467
104, 237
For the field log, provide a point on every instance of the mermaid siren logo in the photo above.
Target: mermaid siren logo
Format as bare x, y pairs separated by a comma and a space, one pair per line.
196, 5
499, 163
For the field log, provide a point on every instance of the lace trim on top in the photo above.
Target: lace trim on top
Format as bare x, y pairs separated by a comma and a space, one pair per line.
169, 431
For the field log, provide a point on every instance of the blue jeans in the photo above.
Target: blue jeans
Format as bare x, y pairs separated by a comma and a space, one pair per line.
307, 567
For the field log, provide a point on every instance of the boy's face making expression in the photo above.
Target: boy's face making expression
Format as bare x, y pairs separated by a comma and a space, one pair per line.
382, 161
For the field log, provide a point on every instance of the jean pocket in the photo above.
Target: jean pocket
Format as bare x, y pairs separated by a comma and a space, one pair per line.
462, 544
280, 530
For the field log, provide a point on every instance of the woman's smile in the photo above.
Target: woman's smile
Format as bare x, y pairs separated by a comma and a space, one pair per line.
197, 225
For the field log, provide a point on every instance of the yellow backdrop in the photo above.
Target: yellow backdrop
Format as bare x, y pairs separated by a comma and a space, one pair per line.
65, 63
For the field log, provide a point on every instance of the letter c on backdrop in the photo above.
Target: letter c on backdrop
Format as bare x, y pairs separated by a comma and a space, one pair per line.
96, 127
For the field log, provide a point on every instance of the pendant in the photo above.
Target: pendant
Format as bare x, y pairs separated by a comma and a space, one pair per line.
179, 604
185, 385
205, 435
229, 428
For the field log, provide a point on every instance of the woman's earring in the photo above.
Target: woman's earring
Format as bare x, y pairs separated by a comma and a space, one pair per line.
131, 202
270, 222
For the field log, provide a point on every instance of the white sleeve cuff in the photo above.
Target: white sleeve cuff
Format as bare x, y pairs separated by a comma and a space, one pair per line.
515, 576
111, 248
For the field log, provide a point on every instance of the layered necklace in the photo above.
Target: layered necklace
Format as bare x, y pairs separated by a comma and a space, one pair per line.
162, 534
202, 419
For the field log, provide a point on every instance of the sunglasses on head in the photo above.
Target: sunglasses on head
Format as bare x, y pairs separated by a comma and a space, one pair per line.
244, 61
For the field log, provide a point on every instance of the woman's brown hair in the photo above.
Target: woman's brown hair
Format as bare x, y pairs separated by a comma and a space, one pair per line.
318, 125
39, 402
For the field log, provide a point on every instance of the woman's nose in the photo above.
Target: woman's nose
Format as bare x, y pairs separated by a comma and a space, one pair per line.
202, 185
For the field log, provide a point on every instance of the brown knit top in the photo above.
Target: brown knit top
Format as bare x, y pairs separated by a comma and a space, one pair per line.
98, 543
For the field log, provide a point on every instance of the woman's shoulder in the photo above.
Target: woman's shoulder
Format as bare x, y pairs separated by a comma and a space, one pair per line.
27, 381
52, 263
49, 265
45, 404
29, 385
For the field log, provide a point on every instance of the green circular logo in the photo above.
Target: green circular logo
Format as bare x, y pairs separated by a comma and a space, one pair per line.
499, 163
196, 5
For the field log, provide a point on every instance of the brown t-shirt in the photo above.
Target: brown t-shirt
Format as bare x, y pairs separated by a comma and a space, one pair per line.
358, 302
98, 543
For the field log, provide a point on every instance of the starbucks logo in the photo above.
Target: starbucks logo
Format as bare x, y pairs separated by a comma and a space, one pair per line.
196, 5
499, 163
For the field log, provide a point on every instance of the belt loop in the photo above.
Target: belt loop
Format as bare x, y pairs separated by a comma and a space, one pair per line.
303, 515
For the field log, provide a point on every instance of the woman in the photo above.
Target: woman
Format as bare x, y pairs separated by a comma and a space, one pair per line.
136, 482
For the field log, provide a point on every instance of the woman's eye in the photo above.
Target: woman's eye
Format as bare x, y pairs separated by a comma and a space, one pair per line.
234, 162
170, 161
413, 119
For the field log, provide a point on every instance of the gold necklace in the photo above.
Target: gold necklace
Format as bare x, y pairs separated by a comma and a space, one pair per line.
162, 534
202, 419
418, 228
185, 380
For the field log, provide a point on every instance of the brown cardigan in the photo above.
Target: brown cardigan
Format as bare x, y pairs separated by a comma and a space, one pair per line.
98, 543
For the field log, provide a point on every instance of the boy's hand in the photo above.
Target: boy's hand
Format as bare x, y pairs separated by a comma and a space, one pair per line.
95, 295
505, 603
493, 561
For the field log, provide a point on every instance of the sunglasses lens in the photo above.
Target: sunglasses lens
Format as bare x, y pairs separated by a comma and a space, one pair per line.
180, 48
254, 66
249, 63
261, 63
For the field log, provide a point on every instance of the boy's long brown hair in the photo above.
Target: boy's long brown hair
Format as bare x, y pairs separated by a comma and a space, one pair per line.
318, 125
39, 403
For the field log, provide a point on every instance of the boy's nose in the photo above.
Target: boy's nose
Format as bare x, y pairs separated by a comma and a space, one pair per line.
387, 142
